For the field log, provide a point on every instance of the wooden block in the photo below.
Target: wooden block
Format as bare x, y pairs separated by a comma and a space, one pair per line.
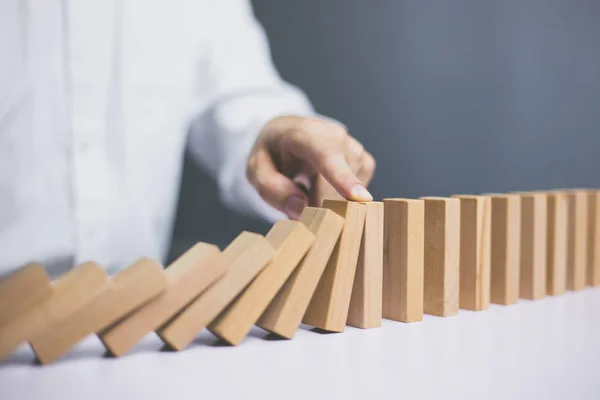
475, 252
506, 248
21, 290
593, 271
291, 240
245, 257
366, 300
534, 228
441, 257
187, 277
328, 308
577, 232
128, 290
284, 314
403, 249
70, 294
556, 271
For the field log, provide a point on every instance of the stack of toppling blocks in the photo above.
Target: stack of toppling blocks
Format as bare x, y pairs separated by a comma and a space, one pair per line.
343, 264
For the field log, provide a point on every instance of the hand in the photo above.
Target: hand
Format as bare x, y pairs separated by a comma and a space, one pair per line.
291, 152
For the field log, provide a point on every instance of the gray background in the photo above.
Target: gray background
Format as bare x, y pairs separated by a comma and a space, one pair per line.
462, 96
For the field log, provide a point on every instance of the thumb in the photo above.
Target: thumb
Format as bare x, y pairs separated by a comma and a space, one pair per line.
276, 189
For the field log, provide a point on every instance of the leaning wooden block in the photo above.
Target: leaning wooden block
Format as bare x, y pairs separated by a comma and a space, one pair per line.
187, 277
506, 248
284, 314
556, 271
577, 235
593, 271
403, 244
475, 252
442, 252
127, 291
534, 228
366, 300
245, 257
291, 240
21, 290
70, 294
328, 309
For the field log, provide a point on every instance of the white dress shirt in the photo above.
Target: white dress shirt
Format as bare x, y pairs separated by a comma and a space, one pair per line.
97, 98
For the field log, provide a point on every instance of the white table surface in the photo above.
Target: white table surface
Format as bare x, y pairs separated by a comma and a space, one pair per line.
546, 349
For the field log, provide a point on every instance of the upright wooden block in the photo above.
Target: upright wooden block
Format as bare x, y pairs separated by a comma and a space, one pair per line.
577, 236
245, 257
534, 228
21, 290
556, 271
366, 300
291, 240
475, 252
187, 277
71, 293
328, 308
284, 314
506, 248
403, 249
442, 254
593, 271
128, 290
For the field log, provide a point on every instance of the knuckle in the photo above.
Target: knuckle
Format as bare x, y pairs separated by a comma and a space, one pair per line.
370, 163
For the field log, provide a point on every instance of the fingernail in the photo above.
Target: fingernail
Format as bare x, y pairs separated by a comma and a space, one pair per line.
359, 193
294, 206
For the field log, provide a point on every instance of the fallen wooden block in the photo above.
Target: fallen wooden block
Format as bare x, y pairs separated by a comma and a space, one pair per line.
245, 257
70, 294
403, 249
577, 246
187, 277
506, 248
475, 252
21, 290
556, 271
534, 228
284, 314
441, 257
291, 240
593, 271
366, 299
328, 308
127, 291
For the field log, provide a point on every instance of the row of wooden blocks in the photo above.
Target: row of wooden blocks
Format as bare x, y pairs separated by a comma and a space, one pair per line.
343, 264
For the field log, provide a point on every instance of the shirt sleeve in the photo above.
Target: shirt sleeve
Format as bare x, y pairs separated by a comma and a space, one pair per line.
246, 92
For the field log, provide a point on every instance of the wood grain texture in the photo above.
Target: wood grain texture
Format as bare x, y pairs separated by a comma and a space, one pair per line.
556, 257
593, 271
367, 291
284, 314
70, 294
328, 309
187, 277
245, 257
403, 249
441, 257
291, 241
577, 236
128, 290
475, 252
534, 228
21, 290
506, 248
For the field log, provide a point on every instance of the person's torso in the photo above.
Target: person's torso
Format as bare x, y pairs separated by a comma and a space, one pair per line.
95, 98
